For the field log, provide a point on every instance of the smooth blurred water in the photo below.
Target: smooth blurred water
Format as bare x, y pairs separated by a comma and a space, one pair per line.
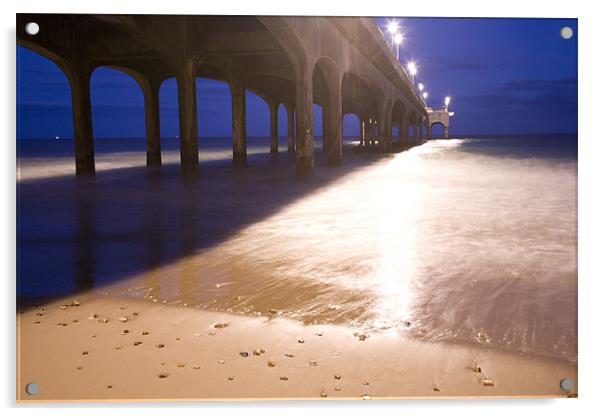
463, 240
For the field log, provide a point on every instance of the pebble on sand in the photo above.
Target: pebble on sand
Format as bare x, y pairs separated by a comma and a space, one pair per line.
271, 364
136, 343
85, 352
125, 332
181, 365
486, 382
93, 316
109, 386
145, 332
221, 325
436, 389
284, 378
197, 367
103, 321
160, 345
243, 354
221, 362
337, 376
313, 363
288, 355
75, 303
361, 337
323, 393
475, 369
123, 319
337, 388
230, 378
300, 341
163, 375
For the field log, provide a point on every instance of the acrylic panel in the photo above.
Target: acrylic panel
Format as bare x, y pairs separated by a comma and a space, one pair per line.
287, 207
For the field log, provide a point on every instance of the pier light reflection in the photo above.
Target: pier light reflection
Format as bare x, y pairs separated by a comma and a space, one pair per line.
292, 262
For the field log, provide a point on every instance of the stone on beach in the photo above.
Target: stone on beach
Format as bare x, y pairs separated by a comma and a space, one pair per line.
486, 382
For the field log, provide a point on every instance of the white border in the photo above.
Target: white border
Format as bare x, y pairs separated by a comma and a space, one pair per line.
590, 206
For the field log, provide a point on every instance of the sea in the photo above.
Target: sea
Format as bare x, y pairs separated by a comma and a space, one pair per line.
464, 240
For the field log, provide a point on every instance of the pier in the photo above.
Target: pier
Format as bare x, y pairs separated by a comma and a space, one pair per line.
343, 64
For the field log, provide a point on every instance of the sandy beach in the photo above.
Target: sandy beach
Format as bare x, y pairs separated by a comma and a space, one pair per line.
113, 348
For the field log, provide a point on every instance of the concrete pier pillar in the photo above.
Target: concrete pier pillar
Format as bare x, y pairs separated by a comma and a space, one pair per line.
325, 129
303, 105
273, 106
388, 130
239, 122
382, 128
150, 88
189, 142
429, 132
334, 119
79, 81
290, 118
445, 132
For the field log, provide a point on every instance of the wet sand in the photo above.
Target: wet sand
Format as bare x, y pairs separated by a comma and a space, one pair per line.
101, 347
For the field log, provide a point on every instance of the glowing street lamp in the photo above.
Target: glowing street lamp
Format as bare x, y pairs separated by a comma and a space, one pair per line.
420, 86
393, 27
397, 39
447, 101
413, 70
425, 95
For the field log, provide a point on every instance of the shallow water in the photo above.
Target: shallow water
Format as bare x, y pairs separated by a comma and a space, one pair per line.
465, 240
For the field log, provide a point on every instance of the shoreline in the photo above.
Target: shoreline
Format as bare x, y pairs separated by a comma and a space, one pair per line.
171, 353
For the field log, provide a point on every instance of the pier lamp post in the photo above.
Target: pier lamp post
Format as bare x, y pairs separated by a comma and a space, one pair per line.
397, 39
447, 101
425, 95
420, 87
392, 28
413, 70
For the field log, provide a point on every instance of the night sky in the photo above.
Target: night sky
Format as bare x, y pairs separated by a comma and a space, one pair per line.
505, 76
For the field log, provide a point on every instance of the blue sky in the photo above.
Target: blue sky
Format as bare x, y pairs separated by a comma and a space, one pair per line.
505, 76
